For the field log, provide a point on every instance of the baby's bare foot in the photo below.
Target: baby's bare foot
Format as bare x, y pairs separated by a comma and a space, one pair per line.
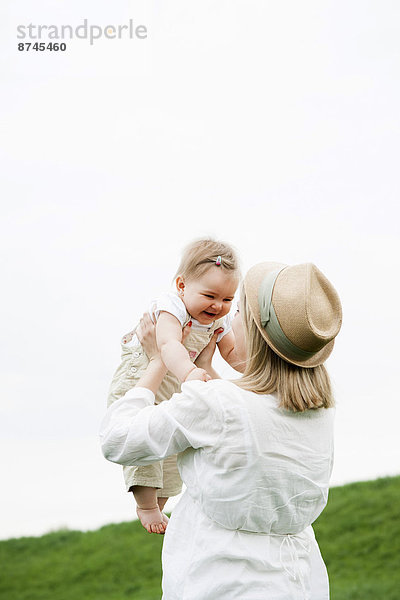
152, 519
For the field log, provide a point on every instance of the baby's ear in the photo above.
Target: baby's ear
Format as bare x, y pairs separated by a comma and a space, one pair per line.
180, 284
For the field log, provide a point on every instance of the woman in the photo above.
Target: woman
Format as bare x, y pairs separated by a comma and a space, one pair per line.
256, 453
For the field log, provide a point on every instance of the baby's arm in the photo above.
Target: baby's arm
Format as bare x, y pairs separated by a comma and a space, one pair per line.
226, 347
174, 355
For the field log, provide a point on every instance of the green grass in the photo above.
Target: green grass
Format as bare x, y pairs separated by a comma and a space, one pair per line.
359, 536
116, 562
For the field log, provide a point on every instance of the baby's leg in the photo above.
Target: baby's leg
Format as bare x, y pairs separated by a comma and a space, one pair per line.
161, 502
148, 510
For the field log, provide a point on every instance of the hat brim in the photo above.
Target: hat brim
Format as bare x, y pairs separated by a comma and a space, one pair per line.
252, 282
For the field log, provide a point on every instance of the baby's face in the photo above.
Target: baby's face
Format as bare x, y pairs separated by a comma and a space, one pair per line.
210, 296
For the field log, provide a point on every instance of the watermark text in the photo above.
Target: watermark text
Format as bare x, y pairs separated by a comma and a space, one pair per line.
85, 31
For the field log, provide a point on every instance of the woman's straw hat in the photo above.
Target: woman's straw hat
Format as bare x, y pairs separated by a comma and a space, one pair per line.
296, 309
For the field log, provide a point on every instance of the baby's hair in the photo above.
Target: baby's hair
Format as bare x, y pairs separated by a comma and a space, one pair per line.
201, 254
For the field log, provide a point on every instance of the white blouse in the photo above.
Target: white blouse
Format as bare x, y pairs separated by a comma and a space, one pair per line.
256, 476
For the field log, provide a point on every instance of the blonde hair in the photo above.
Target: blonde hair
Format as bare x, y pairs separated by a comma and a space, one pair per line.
298, 388
201, 254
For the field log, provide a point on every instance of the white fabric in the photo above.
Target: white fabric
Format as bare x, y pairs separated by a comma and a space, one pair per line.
256, 478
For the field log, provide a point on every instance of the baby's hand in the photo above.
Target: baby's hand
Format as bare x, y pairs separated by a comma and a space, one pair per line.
198, 374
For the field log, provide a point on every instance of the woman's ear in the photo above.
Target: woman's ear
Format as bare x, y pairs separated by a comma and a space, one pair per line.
180, 285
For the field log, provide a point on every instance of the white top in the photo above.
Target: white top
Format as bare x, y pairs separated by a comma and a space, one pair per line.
172, 303
256, 478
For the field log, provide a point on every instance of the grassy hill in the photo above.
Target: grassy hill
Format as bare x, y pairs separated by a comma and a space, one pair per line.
359, 536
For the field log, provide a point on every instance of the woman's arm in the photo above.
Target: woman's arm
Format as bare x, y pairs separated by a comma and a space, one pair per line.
135, 431
204, 360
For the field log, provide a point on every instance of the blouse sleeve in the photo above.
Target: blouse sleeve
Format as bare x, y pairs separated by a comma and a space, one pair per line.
134, 431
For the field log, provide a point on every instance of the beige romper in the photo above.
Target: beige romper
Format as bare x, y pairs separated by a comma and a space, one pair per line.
163, 475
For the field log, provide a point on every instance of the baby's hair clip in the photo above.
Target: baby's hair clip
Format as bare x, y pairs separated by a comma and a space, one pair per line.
218, 261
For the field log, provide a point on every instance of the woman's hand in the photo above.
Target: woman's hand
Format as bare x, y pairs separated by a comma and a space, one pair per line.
146, 333
204, 359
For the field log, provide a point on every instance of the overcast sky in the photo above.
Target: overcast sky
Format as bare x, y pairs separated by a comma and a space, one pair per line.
272, 125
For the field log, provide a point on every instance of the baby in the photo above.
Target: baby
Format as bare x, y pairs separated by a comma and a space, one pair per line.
206, 282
